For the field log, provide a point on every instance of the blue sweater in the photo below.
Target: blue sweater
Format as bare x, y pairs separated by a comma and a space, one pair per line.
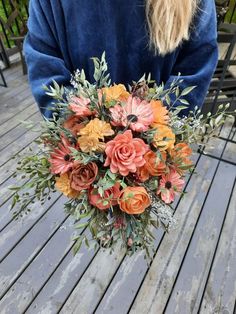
64, 34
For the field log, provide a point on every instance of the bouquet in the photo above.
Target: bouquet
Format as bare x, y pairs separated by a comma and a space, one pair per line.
120, 156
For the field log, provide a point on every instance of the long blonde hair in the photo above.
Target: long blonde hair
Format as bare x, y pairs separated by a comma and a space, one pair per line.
169, 23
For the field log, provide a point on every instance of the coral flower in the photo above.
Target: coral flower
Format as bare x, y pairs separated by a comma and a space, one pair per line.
97, 128
155, 166
125, 154
63, 185
61, 159
134, 200
164, 138
89, 144
109, 198
79, 106
73, 124
136, 113
170, 185
116, 92
160, 113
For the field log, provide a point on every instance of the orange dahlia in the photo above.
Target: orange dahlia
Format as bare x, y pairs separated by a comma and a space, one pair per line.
160, 113
63, 185
164, 138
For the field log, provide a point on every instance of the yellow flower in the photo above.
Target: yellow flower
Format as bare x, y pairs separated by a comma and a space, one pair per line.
90, 144
164, 138
63, 185
97, 128
116, 92
160, 113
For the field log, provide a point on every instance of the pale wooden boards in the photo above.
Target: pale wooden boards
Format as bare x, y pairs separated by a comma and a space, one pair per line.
193, 267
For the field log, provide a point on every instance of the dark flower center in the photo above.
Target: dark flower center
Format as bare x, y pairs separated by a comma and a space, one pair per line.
132, 118
168, 185
67, 157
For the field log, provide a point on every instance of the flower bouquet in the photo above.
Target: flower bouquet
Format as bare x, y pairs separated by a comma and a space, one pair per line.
119, 155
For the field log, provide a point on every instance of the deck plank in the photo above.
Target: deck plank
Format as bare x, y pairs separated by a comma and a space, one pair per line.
220, 292
189, 286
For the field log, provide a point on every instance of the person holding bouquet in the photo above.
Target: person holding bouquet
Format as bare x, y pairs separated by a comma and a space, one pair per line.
160, 37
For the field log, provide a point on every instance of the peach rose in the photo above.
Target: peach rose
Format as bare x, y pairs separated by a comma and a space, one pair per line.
109, 198
154, 166
134, 200
82, 176
125, 154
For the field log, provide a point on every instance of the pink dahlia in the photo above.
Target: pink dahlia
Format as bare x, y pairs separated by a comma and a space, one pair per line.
61, 159
125, 154
79, 106
170, 185
136, 113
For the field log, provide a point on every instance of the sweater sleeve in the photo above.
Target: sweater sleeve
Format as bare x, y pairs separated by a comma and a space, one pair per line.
197, 58
43, 56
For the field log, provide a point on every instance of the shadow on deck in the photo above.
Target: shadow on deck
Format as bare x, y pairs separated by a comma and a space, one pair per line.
192, 270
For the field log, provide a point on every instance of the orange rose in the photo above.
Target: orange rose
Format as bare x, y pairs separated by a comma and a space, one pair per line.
160, 113
134, 200
116, 92
109, 198
164, 138
154, 166
82, 176
73, 123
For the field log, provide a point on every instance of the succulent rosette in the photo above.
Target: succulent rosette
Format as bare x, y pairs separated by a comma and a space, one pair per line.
119, 155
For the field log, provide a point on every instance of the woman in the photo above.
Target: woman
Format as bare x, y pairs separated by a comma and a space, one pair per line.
161, 37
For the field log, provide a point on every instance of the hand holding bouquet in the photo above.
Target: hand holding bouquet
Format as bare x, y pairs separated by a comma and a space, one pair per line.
119, 156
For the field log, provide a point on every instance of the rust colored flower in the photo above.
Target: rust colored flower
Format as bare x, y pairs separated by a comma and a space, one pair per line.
61, 159
164, 138
125, 154
80, 106
82, 176
89, 144
63, 185
73, 124
97, 128
180, 157
155, 166
116, 92
107, 200
134, 200
160, 113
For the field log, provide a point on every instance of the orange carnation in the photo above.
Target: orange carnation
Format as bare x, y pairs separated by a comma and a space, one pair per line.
97, 128
116, 92
160, 113
63, 185
90, 144
155, 166
134, 200
164, 138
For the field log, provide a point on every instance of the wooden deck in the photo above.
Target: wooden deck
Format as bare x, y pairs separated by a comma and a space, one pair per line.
193, 270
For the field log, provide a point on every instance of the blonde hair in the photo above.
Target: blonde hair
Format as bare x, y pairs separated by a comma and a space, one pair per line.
169, 23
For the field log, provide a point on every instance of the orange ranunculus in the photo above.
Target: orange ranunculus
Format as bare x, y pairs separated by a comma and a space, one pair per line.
63, 185
180, 157
160, 113
90, 144
82, 176
164, 138
125, 154
116, 92
97, 128
73, 124
155, 166
109, 198
134, 200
